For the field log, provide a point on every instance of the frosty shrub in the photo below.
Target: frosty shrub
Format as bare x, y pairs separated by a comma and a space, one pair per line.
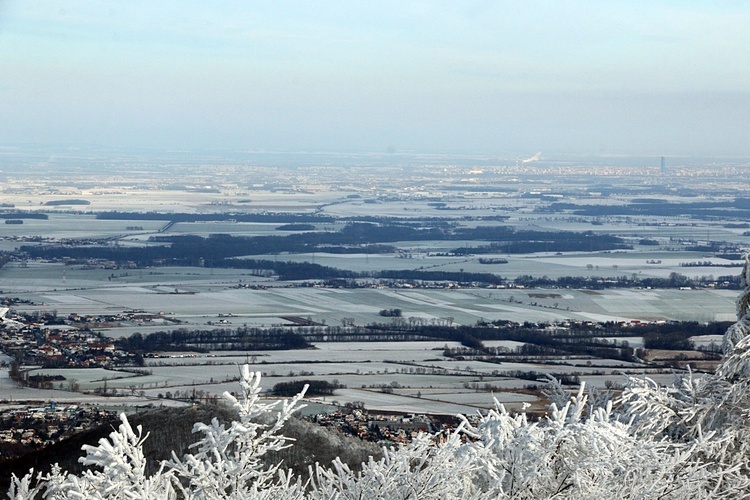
688, 440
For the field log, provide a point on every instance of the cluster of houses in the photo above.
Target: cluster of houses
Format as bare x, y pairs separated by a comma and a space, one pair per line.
47, 340
23, 429
379, 428
61, 346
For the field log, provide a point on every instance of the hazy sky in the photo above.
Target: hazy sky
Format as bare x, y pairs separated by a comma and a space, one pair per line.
630, 77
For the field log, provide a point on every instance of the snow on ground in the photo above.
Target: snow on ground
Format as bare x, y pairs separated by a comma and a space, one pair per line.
13, 395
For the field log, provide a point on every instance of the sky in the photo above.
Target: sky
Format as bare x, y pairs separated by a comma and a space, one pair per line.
468, 77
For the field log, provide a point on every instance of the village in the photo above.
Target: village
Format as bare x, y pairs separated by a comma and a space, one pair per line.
56, 345
381, 427
30, 428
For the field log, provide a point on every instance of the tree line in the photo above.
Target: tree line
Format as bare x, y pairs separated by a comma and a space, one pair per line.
354, 237
542, 338
243, 338
230, 216
735, 209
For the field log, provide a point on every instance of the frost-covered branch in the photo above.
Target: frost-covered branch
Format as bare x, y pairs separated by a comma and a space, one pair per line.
228, 459
687, 440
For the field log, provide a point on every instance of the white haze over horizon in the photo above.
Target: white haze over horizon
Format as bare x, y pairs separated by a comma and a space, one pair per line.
479, 77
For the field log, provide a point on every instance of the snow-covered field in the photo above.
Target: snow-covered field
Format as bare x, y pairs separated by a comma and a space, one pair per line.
205, 294
415, 375
194, 298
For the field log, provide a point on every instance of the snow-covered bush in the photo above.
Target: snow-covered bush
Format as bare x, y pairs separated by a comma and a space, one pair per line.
689, 440
226, 463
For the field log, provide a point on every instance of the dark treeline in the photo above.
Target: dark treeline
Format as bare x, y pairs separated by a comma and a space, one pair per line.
287, 270
185, 254
315, 388
221, 250
360, 237
218, 251
672, 341
214, 340
372, 249
23, 215
218, 246
708, 263
684, 328
675, 280
562, 241
613, 328
579, 338
296, 227
720, 249
190, 250
576, 338
453, 276
239, 217
738, 208
390, 313
549, 342
285, 218
471, 337
56, 203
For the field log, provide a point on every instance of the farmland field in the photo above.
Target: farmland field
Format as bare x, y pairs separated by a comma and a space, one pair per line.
657, 239
196, 297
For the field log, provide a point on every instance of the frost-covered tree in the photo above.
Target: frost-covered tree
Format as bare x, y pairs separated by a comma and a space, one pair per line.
688, 440
119, 473
709, 413
741, 328
226, 464
578, 451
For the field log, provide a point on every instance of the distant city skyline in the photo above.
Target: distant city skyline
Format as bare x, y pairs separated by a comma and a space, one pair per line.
655, 78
